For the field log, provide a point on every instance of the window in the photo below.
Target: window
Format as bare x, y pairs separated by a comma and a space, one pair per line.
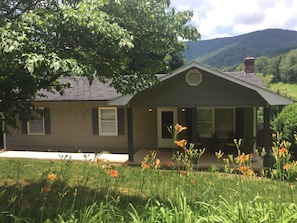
35, 126
193, 77
219, 121
224, 121
205, 122
108, 123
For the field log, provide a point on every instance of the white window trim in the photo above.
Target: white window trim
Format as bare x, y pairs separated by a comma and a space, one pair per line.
43, 125
102, 133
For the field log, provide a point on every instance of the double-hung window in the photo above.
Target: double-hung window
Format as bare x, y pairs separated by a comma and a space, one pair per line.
108, 123
35, 126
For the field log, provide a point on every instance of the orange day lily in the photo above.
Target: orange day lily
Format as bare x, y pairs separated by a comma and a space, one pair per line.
52, 176
46, 189
113, 173
283, 151
157, 163
179, 128
249, 172
169, 164
287, 167
244, 158
180, 143
145, 165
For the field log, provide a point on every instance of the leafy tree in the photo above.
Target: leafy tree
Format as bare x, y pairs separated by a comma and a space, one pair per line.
286, 123
289, 67
120, 42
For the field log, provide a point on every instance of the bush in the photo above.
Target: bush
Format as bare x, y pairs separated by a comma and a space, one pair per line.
286, 123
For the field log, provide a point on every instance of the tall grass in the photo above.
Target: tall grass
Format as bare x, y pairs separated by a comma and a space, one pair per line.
99, 191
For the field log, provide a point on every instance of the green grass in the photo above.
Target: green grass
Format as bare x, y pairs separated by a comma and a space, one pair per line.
86, 192
289, 90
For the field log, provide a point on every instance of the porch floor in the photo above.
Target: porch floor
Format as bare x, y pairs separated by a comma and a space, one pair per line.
205, 162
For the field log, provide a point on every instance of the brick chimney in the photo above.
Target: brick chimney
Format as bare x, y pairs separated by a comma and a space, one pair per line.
248, 65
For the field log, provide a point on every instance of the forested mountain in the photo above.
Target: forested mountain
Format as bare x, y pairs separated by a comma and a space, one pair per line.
230, 51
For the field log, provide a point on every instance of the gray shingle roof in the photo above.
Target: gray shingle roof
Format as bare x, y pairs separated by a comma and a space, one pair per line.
250, 78
81, 90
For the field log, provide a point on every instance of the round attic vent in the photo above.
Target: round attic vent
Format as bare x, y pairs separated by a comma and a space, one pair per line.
194, 77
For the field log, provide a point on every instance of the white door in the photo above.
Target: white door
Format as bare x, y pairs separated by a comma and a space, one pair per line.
166, 117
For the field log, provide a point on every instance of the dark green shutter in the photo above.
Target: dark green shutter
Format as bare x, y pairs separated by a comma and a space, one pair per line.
95, 123
121, 121
24, 127
239, 122
47, 121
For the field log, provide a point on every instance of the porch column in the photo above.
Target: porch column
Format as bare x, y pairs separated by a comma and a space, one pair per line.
191, 124
130, 134
194, 125
267, 136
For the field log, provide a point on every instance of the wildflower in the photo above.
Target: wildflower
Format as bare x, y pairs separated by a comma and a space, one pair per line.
249, 172
113, 173
283, 151
52, 176
46, 189
179, 128
244, 158
287, 166
181, 143
169, 164
157, 163
242, 169
100, 161
145, 165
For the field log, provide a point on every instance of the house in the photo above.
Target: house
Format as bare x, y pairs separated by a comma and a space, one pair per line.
96, 118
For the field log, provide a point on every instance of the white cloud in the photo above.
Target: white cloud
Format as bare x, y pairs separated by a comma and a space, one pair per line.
217, 18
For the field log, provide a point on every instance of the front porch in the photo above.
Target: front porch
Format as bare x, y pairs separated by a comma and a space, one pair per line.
206, 161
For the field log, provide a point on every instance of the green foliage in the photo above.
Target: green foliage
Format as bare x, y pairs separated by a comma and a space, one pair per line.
225, 52
286, 123
87, 192
123, 43
286, 89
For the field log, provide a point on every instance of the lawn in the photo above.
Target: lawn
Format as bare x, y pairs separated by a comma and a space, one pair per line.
98, 191
289, 90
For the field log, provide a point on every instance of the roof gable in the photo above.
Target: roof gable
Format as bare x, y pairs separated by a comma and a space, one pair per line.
249, 81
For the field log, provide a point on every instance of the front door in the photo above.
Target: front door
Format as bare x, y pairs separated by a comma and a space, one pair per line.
166, 117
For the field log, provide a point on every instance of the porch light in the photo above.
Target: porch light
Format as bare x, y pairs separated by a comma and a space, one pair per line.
150, 109
183, 109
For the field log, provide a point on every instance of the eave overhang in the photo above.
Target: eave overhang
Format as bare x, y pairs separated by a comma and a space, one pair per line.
270, 97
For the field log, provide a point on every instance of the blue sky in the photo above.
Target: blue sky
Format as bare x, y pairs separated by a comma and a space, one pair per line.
224, 18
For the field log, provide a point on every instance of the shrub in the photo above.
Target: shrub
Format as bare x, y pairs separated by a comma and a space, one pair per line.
286, 123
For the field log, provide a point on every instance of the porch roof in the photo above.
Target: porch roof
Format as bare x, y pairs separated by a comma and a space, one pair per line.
245, 82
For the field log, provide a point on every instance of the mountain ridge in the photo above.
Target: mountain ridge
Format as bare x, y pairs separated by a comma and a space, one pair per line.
229, 51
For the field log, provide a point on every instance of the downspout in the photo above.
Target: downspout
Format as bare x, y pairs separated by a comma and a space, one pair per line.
255, 122
3, 132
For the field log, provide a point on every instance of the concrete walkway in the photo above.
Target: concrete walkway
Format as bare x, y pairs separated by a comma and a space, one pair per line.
113, 158
165, 156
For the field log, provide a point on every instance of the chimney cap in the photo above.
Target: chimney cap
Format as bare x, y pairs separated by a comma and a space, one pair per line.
249, 58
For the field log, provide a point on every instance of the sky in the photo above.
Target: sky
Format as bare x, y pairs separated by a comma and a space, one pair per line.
225, 18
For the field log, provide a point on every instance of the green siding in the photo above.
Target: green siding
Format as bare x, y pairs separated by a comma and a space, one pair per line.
213, 91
